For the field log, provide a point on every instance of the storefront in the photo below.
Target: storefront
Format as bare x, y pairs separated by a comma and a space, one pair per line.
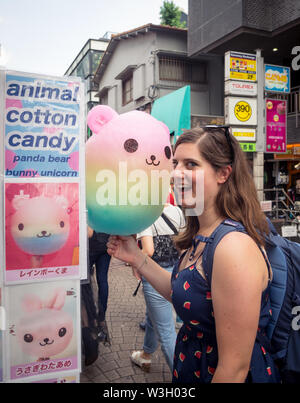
282, 182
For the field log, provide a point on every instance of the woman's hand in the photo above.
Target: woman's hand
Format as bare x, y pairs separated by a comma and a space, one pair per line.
124, 248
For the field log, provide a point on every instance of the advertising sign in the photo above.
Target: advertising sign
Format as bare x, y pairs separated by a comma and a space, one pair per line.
41, 231
241, 88
248, 147
43, 166
289, 231
240, 66
276, 122
44, 328
277, 79
43, 252
266, 205
42, 126
244, 134
241, 111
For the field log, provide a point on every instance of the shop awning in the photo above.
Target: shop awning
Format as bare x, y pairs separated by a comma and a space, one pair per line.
174, 110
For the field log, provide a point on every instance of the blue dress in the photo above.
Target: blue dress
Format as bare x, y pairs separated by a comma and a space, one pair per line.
196, 353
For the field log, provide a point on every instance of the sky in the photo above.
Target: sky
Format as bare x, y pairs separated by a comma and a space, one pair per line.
45, 36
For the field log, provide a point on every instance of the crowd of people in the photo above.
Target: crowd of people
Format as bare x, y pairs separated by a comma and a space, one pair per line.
224, 301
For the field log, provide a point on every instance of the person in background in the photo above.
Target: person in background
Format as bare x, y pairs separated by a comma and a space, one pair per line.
100, 259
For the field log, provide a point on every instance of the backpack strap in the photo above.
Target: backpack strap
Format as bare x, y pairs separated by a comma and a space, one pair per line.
169, 223
212, 242
279, 282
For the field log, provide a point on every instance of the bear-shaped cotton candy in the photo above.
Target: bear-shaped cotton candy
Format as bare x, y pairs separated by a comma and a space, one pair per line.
128, 165
40, 225
45, 330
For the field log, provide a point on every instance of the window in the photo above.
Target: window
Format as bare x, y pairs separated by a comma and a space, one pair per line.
173, 69
104, 99
127, 93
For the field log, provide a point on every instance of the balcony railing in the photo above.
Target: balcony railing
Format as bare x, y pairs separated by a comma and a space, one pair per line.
294, 104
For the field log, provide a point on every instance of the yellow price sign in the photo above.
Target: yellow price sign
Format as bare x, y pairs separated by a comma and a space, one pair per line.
243, 111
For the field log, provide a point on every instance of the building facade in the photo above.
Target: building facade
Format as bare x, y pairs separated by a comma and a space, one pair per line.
273, 27
85, 64
151, 61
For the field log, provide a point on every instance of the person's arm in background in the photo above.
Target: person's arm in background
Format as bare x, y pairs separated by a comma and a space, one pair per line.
125, 248
147, 248
90, 232
147, 245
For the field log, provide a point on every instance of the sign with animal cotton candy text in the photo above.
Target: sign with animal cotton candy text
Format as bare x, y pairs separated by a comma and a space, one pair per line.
43, 124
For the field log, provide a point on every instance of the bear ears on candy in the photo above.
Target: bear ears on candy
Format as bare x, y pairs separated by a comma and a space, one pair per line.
100, 115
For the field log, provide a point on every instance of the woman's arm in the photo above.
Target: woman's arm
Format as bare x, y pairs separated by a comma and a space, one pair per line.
239, 277
125, 248
147, 245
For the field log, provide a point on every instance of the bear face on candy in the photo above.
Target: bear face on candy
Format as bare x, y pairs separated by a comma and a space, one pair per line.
45, 330
124, 157
40, 225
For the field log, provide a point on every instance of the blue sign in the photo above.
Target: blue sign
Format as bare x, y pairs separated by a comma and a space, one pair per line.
277, 79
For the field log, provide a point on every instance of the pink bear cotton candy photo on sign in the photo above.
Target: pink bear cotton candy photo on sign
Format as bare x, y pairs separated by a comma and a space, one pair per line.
43, 328
41, 231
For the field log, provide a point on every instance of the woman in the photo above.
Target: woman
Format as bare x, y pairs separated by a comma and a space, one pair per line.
217, 342
160, 325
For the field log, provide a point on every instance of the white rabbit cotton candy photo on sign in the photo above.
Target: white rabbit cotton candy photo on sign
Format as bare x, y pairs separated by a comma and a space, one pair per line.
43, 321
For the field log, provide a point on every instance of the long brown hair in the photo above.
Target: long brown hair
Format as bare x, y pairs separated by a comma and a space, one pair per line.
237, 197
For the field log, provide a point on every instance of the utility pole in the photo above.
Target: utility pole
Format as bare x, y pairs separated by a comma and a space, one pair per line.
258, 157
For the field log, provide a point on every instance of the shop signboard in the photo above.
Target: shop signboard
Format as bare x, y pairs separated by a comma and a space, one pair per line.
43, 236
241, 111
289, 231
244, 134
276, 126
240, 66
266, 205
248, 89
248, 147
277, 79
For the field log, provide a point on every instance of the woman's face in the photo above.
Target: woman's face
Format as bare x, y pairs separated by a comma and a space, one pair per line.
195, 180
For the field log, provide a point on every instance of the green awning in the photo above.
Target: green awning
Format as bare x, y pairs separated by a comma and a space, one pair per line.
174, 110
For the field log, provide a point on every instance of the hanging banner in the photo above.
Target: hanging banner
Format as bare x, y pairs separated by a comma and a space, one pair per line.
44, 328
240, 66
276, 126
277, 79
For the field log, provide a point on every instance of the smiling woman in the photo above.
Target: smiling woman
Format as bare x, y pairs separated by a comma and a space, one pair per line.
220, 285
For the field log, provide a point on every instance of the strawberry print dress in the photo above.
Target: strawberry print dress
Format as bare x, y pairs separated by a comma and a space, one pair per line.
196, 353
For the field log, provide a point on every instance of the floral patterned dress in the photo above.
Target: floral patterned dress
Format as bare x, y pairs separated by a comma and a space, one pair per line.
196, 353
